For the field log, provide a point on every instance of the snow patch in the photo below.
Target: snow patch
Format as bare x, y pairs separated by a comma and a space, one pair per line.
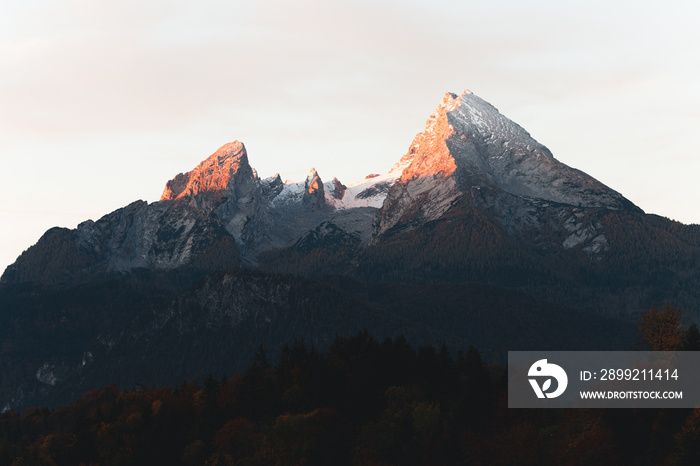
46, 375
369, 192
87, 358
291, 192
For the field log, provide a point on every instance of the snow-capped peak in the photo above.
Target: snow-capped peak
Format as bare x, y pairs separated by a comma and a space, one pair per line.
466, 143
474, 116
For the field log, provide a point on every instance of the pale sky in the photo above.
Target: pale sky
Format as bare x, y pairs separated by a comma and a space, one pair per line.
102, 102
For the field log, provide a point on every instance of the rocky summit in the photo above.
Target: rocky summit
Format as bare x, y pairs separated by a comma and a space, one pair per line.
468, 148
213, 176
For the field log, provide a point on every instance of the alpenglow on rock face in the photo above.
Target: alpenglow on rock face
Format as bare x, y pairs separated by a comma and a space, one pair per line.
468, 155
212, 175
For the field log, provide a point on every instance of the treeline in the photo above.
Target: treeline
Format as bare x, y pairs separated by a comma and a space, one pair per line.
364, 402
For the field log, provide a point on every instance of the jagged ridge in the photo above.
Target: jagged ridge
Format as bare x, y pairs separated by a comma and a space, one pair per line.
468, 152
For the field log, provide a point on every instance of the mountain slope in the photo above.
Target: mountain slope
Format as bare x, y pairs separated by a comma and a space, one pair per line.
156, 236
477, 235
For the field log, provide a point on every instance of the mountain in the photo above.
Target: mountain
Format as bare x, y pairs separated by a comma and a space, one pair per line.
469, 148
477, 235
468, 153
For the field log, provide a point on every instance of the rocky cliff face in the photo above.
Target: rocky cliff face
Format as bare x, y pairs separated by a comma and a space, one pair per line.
225, 187
218, 174
158, 236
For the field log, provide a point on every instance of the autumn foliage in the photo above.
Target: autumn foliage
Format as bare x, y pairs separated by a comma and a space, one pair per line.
364, 402
663, 329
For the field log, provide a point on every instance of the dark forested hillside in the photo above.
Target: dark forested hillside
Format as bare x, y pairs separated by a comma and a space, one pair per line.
60, 341
648, 260
363, 402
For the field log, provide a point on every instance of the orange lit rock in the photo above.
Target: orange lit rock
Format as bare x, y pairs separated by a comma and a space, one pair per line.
212, 175
429, 154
